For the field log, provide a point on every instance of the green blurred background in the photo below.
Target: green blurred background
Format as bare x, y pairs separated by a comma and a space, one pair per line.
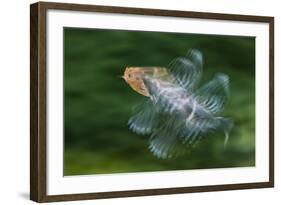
98, 103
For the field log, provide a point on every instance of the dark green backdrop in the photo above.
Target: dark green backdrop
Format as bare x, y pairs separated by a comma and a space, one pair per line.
98, 103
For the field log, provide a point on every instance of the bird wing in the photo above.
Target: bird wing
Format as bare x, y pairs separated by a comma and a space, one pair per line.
145, 118
213, 95
163, 143
175, 135
187, 70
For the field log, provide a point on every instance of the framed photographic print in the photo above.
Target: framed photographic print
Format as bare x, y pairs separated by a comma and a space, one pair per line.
134, 102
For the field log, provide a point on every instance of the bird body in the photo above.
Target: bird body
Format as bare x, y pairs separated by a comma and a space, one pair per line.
177, 114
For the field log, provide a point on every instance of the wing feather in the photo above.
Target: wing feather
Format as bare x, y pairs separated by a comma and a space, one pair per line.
144, 120
187, 70
214, 94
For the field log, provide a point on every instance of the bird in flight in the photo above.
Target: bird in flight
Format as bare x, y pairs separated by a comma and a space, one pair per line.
176, 113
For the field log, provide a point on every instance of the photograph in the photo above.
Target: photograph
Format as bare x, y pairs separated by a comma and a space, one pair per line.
132, 102
147, 101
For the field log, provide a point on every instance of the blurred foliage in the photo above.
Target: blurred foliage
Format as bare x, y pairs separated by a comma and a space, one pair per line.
98, 103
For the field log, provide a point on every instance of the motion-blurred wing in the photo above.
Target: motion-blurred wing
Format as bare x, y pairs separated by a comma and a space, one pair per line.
173, 138
145, 119
164, 144
196, 128
187, 70
176, 135
214, 94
